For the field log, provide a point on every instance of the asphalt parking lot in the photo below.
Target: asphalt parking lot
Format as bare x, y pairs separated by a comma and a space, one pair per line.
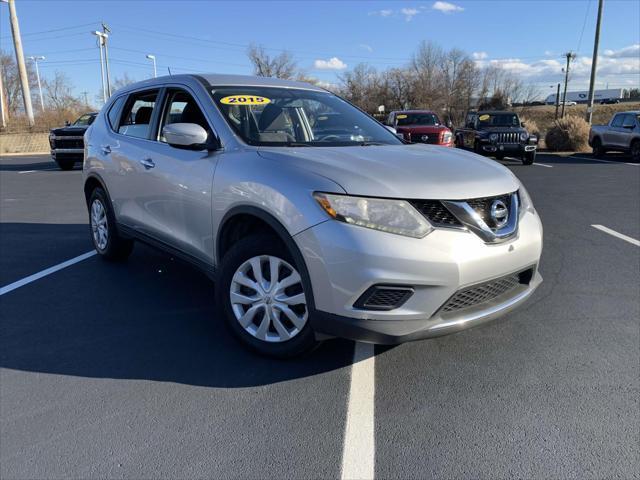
123, 371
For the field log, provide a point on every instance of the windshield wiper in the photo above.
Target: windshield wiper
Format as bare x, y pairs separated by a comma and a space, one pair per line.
296, 144
369, 144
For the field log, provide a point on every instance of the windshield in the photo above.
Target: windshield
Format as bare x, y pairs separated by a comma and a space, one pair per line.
498, 120
84, 120
270, 116
404, 119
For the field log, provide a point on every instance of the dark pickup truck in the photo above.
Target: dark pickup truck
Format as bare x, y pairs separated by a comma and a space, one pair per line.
498, 134
67, 143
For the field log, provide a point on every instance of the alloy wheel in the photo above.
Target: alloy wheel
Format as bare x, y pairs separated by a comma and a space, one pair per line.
268, 300
99, 225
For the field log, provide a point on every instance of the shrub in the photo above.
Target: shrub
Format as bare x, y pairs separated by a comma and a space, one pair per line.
532, 127
568, 134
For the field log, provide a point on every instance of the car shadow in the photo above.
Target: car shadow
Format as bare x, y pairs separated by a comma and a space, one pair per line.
150, 318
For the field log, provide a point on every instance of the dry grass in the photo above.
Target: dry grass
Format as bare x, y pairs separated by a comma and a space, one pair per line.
543, 117
43, 121
568, 134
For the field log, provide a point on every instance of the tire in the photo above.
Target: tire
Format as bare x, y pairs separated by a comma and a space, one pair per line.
635, 151
281, 337
66, 164
528, 158
109, 244
598, 149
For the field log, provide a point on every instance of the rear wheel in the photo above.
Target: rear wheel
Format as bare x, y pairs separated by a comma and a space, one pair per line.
598, 149
528, 158
104, 232
635, 151
66, 164
262, 296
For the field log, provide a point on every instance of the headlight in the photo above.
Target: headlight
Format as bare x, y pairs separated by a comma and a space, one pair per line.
525, 201
524, 136
493, 137
392, 216
446, 137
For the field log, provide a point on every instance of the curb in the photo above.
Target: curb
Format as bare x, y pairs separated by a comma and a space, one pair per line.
22, 154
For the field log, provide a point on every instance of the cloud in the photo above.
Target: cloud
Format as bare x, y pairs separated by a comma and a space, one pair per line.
409, 13
614, 66
479, 55
382, 13
334, 63
446, 7
630, 51
549, 53
366, 47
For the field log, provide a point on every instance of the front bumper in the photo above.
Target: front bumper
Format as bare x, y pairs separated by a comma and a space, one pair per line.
507, 148
344, 261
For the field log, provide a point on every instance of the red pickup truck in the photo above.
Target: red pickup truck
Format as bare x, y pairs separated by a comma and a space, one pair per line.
421, 126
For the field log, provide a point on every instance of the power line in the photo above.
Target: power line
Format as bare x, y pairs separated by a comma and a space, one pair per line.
53, 30
584, 23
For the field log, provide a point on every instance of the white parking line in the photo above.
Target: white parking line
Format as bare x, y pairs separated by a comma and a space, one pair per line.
358, 454
543, 165
44, 273
27, 171
621, 236
605, 161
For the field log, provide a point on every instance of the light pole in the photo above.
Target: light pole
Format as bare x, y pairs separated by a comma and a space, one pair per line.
22, 69
101, 37
153, 59
36, 60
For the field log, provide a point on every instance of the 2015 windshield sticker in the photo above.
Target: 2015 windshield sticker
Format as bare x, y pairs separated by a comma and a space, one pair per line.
401, 116
482, 118
244, 100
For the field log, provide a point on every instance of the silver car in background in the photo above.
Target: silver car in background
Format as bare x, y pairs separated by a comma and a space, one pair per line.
314, 220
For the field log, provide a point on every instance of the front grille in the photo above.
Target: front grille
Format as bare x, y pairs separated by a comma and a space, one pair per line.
436, 213
483, 206
60, 143
383, 297
508, 137
432, 138
485, 292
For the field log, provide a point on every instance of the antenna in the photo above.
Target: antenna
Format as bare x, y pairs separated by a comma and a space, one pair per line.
169, 70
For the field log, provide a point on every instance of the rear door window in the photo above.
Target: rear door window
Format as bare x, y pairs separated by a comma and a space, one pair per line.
617, 120
137, 114
629, 120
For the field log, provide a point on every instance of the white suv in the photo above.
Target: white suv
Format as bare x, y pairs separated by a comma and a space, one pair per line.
313, 218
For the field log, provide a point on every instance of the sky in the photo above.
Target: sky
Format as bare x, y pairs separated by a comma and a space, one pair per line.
327, 38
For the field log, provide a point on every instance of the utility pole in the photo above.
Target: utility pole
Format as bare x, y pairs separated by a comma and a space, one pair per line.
594, 63
99, 36
86, 101
36, 60
106, 31
22, 69
153, 59
3, 116
570, 56
557, 99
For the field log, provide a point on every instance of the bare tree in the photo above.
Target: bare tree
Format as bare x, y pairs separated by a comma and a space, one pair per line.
11, 79
280, 66
122, 81
58, 93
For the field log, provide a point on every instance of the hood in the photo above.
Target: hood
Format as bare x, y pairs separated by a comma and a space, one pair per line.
420, 129
415, 171
69, 131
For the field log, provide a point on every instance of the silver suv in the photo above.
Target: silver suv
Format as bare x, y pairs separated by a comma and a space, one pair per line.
314, 220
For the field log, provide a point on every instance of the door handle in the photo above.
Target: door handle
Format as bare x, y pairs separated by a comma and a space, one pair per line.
106, 149
147, 163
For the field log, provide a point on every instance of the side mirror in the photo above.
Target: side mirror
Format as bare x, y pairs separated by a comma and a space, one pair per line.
391, 129
449, 124
522, 124
67, 123
185, 135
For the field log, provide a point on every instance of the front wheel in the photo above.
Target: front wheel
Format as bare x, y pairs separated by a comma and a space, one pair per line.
635, 151
66, 164
104, 232
262, 296
528, 158
598, 149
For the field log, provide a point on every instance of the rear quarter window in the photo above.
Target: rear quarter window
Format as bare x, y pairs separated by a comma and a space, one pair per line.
114, 112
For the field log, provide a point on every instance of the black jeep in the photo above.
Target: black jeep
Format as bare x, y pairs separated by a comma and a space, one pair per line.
498, 134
